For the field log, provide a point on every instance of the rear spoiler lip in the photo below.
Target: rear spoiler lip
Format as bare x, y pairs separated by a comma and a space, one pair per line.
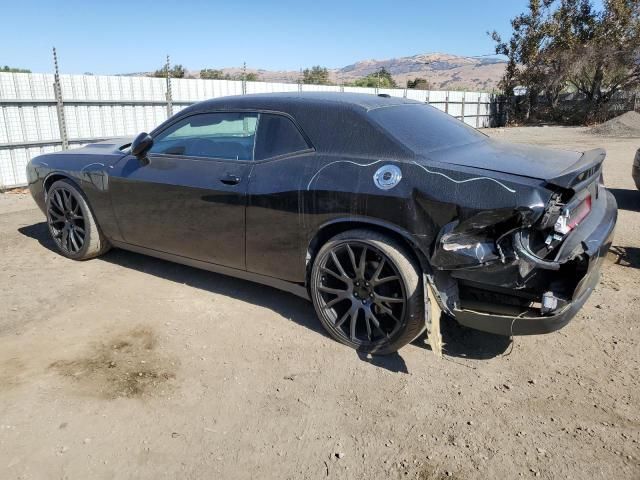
574, 176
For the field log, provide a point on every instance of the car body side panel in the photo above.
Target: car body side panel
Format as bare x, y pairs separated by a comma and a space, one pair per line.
291, 199
180, 205
89, 172
274, 241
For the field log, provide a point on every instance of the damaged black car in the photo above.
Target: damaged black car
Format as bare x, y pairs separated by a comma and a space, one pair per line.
382, 211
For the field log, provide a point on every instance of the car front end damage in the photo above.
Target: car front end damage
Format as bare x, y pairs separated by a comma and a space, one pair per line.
527, 271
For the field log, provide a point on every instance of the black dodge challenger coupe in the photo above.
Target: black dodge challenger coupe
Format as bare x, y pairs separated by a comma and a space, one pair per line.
361, 203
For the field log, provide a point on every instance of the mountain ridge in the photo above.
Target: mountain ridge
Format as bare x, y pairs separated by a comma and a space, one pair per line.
443, 71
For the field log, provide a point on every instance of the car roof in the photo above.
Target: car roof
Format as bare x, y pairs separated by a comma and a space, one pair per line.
335, 122
288, 101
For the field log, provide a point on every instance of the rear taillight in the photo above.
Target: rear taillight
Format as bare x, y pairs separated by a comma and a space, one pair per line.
570, 219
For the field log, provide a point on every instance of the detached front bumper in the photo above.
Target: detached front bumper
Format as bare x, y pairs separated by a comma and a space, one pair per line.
594, 237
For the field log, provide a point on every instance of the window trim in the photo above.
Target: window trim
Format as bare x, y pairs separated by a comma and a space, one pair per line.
157, 132
310, 148
161, 128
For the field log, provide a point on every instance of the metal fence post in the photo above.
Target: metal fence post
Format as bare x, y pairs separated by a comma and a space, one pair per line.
169, 96
62, 125
446, 103
464, 94
478, 111
244, 78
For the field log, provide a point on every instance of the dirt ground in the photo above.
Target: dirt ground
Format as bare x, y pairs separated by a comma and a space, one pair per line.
132, 367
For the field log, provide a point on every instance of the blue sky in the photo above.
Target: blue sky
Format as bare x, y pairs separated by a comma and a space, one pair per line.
117, 36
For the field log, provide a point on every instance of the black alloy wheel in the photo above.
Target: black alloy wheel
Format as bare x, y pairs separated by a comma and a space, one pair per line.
66, 220
360, 292
71, 223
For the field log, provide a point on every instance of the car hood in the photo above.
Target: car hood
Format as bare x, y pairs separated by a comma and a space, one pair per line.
524, 160
108, 146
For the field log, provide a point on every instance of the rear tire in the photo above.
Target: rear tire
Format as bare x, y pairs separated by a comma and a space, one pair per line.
72, 226
367, 292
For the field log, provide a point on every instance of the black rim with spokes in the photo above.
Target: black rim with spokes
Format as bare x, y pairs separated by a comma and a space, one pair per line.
66, 221
360, 293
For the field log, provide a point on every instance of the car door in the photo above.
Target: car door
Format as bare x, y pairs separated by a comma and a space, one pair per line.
188, 197
279, 177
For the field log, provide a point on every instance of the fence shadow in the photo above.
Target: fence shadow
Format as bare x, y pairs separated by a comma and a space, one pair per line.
627, 199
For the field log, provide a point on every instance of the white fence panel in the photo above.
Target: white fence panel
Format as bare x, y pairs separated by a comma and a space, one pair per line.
392, 92
320, 88
420, 95
371, 91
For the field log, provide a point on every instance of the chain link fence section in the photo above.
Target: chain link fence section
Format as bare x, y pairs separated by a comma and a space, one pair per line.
97, 107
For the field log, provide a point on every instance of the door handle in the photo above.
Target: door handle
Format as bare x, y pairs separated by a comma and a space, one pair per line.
230, 179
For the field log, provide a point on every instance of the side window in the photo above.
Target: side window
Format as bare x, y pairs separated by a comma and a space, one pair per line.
277, 135
210, 135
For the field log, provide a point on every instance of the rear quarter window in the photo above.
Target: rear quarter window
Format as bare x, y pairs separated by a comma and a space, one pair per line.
277, 135
423, 128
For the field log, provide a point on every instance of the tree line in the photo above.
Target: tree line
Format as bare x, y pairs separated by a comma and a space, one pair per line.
7, 68
178, 71
571, 46
316, 75
381, 78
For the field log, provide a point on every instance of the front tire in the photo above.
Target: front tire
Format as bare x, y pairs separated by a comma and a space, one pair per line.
72, 226
367, 291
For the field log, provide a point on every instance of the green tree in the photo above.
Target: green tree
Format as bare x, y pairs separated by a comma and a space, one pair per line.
526, 51
178, 71
418, 84
606, 57
316, 75
7, 68
380, 79
570, 44
211, 74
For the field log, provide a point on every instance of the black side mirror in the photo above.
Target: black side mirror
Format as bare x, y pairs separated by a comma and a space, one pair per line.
141, 146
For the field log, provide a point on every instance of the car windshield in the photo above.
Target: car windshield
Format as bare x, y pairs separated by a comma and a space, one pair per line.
423, 128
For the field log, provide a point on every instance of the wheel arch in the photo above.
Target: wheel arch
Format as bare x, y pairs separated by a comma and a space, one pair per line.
53, 177
334, 227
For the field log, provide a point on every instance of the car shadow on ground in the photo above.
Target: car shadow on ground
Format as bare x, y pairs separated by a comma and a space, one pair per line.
626, 256
459, 341
462, 342
627, 199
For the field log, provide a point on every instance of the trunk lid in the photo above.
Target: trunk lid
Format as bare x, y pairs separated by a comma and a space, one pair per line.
563, 168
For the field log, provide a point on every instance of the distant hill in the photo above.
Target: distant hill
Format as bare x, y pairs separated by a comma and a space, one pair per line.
441, 70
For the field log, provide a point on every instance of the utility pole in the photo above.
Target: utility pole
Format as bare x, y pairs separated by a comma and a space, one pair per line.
244, 78
57, 90
168, 78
